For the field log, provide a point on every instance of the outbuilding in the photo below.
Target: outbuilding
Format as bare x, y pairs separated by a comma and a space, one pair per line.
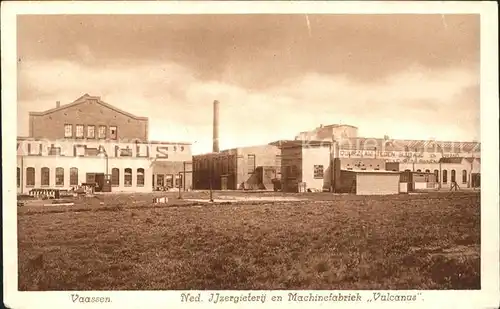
369, 182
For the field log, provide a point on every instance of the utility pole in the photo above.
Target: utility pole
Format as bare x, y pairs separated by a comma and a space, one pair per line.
332, 169
210, 178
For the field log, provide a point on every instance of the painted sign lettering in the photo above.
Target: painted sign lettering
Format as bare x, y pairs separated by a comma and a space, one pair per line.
90, 149
138, 151
161, 152
39, 153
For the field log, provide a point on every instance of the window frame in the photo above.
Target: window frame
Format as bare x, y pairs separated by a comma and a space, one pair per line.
99, 132
42, 182
88, 127
72, 176
316, 171
30, 182
71, 130
126, 175
76, 131
58, 169
115, 137
140, 172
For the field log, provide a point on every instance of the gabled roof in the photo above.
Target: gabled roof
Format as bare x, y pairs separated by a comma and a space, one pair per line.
84, 98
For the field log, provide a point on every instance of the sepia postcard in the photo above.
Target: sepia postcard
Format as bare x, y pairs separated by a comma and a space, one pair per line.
250, 154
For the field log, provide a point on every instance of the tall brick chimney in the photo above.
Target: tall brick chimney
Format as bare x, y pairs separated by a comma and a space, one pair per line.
58, 104
215, 147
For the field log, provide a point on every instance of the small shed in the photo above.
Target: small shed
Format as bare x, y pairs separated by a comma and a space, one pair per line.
411, 181
369, 182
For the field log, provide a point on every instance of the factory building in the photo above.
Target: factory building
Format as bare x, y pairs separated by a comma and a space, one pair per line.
91, 141
362, 165
250, 168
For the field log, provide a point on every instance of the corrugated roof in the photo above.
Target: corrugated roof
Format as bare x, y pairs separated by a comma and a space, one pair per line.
380, 144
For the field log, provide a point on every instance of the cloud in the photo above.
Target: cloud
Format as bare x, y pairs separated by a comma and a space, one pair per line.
256, 51
412, 103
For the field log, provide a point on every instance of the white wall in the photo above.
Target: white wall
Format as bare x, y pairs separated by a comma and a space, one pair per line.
316, 156
377, 184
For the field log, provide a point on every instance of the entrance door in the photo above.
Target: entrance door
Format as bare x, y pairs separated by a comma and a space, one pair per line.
99, 179
223, 182
476, 180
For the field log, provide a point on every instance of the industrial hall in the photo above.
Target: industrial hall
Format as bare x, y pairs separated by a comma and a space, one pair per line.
91, 141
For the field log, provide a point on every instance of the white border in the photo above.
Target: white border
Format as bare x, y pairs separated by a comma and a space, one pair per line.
488, 297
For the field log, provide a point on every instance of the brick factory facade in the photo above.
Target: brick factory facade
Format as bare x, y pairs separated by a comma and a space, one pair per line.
90, 141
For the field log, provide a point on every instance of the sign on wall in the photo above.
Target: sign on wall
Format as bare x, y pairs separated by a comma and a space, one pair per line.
83, 149
401, 156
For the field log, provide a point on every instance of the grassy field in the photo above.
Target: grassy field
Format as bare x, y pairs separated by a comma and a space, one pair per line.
428, 241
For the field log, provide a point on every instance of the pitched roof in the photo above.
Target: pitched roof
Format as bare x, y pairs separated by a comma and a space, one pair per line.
84, 98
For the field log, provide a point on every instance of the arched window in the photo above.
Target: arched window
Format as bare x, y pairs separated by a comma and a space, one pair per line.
140, 177
453, 178
419, 170
128, 177
464, 176
115, 177
73, 176
59, 176
427, 171
30, 176
45, 177
407, 170
18, 177
445, 176
436, 172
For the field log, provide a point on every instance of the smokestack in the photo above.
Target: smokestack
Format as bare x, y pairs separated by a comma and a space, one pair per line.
216, 127
58, 104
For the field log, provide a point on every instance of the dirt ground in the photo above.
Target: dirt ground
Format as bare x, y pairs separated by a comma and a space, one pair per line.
316, 241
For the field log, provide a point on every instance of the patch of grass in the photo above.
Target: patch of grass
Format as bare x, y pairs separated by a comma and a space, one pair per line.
328, 242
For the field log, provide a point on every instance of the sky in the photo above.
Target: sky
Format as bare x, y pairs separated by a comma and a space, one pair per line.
405, 76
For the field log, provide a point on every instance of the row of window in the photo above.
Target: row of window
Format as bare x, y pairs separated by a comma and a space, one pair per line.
445, 175
90, 132
73, 176
115, 177
167, 180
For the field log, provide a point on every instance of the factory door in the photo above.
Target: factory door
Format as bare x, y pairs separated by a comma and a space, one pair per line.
476, 180
223, 182
99, 179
